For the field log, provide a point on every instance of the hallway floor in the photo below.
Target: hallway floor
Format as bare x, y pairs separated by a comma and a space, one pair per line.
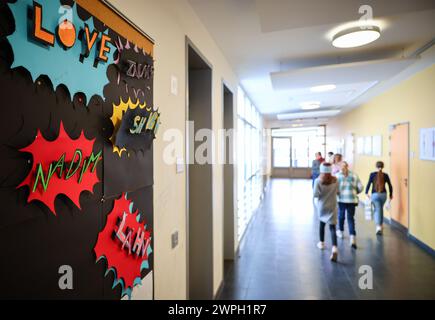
278, 257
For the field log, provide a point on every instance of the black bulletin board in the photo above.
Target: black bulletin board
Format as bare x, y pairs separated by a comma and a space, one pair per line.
34, 242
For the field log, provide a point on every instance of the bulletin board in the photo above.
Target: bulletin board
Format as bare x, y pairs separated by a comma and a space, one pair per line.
76, 140
368, 146
360, 145
377, 146
349, 152
427, 144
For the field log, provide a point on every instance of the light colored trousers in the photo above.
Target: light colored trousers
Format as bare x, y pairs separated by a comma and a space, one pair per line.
378, 200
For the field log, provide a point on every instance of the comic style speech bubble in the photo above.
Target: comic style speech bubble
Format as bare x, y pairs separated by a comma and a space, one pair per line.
63, 166
125, 243
63, 61
134, 126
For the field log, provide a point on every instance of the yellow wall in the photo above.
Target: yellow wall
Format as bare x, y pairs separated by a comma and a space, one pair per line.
168, 22
411, 101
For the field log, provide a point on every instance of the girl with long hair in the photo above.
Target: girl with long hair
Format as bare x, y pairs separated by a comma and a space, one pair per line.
325, 192
378, 181
349, 186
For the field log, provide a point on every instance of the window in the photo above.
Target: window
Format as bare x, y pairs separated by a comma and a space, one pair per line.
240, 104
249, 144
281, 152
304, 143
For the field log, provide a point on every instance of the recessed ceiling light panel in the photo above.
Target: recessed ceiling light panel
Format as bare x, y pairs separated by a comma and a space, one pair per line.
311, 107
306, 115
356, 37
323, 88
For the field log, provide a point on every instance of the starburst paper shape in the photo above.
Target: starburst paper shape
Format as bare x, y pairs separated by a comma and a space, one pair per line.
61, 66
56, 157
126, 265
118, 112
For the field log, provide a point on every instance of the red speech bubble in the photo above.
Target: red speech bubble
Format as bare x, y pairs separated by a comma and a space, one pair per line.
63, 166
125, 244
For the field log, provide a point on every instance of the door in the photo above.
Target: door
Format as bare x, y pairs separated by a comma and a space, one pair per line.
281, 157
400, 173
200, 178
300, 156
290, 157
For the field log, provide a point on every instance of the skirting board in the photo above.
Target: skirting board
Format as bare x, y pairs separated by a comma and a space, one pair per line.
219, 291
422, 245
404, 230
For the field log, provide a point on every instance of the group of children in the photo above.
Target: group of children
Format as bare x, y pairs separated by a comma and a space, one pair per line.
335, 192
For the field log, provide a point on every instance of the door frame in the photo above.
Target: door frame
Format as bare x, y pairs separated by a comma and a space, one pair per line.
189, 44
226, 85
392, 127
292, 171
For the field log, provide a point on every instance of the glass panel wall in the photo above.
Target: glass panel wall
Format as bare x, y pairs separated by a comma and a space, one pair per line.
249, 144
281, 152
305, 142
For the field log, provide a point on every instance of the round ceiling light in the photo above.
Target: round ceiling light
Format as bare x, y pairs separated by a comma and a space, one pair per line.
323, 88
310, 105
356, 37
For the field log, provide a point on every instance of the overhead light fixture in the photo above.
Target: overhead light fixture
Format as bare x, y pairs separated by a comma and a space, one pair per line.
310, 105
323, 88
297, 125
356, 37
307, 115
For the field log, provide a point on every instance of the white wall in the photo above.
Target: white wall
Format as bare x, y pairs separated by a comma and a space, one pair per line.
168, 22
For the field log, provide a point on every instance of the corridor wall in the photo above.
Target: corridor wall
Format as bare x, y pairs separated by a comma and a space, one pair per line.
168, 22
410, 101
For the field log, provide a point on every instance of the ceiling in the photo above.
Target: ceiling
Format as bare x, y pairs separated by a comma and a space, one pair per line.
282, 48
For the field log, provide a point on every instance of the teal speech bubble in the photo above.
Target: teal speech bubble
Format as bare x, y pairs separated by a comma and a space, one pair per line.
60, 65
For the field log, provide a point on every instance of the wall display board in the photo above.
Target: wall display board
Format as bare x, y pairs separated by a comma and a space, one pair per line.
427, 144
360, 145
76, 141
368, 146
349, 152
377, 146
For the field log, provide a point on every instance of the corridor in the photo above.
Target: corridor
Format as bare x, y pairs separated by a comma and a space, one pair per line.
163, 150
278, 257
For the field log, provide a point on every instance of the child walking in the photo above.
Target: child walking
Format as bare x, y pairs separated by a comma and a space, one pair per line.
325, 191
378, 180
349, 186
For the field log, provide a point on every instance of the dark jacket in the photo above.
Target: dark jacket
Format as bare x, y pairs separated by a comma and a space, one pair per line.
315, 168
372, 182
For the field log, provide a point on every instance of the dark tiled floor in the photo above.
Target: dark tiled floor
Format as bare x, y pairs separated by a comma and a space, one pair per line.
279, 259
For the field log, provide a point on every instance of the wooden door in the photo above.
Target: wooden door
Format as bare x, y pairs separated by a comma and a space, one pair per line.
400, 173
